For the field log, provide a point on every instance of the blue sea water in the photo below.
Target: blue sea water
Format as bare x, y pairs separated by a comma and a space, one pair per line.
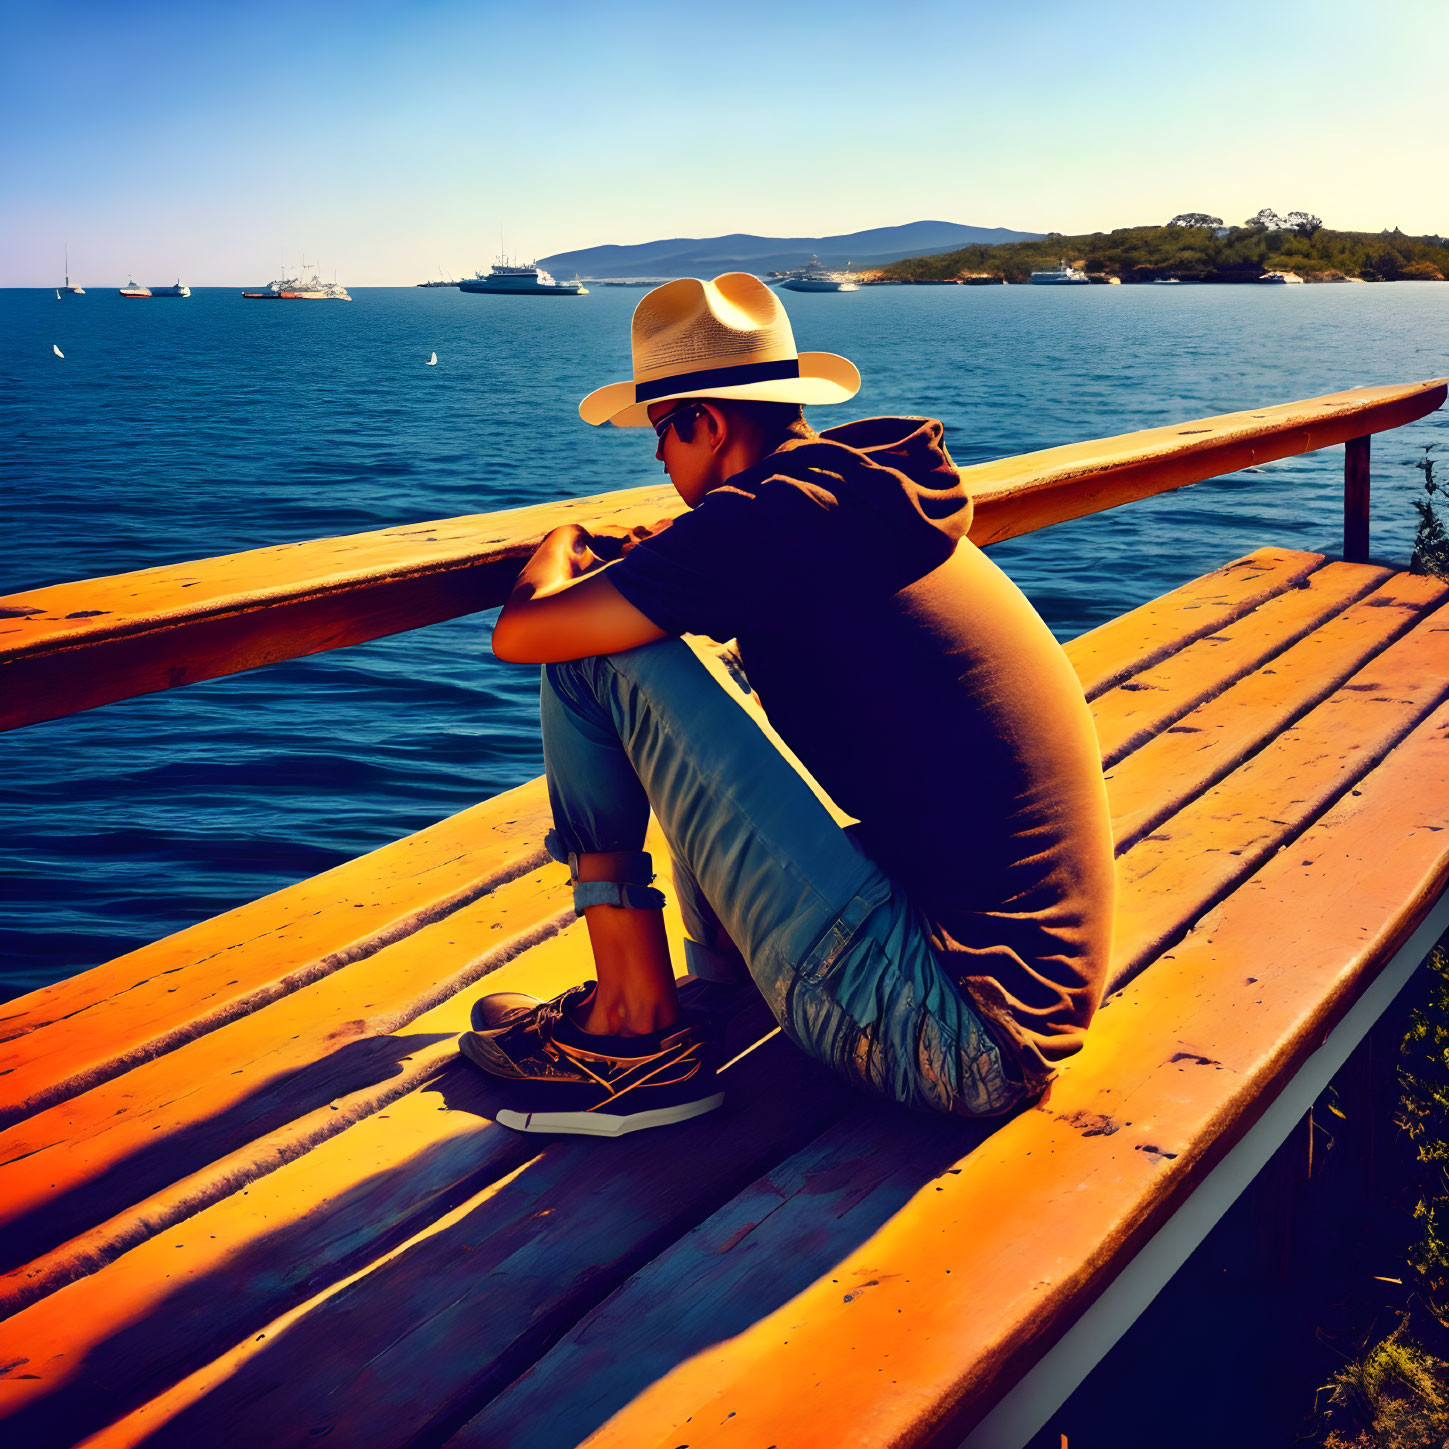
179, 429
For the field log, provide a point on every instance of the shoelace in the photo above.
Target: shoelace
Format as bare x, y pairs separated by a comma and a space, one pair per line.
550, 1014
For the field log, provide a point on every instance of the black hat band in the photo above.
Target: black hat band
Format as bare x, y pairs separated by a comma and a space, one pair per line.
742, 372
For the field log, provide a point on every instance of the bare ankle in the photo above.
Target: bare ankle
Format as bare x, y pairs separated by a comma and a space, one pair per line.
617, 1017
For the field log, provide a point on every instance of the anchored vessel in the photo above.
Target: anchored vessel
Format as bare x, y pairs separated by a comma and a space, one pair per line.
813, 277
293, 289
179, 290
75, 289
530, 280
1060, 275
1280, 278
134, 290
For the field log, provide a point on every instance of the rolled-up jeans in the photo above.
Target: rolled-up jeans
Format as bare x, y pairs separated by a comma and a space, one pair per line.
768, 880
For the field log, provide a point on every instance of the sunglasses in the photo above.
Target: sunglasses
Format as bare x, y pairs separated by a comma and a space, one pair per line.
675, 419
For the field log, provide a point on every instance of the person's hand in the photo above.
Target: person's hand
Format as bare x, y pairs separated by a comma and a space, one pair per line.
613, 541
567, 552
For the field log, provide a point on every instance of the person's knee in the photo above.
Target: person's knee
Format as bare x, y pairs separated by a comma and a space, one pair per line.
567, 677
563, 674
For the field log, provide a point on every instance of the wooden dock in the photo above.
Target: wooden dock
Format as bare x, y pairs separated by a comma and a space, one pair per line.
249, 1195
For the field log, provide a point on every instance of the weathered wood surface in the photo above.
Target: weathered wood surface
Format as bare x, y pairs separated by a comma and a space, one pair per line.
1031, 490
68, 1037
77, 645
324, 1234
74, 646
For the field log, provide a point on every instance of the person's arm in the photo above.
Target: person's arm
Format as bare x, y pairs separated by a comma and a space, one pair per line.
564, 607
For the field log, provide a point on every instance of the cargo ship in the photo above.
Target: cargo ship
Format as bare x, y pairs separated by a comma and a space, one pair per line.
179, 290
134, 290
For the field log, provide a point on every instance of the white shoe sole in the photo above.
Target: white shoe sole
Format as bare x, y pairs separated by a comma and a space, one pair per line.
602, 1124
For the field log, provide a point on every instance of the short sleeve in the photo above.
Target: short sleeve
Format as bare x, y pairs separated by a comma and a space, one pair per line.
728, 566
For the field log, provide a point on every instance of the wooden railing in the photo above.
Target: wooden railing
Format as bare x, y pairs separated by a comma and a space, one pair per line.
74, 646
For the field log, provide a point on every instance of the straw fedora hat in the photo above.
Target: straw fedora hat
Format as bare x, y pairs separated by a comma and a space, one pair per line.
729, 338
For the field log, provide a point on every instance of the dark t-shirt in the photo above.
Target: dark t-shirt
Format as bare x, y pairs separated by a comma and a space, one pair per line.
921, 689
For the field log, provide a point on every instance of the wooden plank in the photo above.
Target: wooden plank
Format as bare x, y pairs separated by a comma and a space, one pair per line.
1205, 745
481, 1290
69, 1037
988, 1263
1141, 707
83, 1160
1219, 837
73, 646
1118, 649
224, 1265
785, 1232
158, 628
242, 1241
1033, 490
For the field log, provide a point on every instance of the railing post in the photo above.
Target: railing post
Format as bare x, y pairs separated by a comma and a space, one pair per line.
1356, 500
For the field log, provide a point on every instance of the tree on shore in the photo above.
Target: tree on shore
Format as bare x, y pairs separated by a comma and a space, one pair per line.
1266, 220
1303, 222
1195, 218
1196, 253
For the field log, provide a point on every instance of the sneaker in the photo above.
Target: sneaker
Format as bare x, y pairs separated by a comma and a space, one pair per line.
562, 1079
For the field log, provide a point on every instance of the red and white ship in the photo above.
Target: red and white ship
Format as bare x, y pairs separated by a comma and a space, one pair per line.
294, 289
131, 289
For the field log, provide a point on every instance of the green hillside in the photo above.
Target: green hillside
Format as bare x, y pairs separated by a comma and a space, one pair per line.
1194, 253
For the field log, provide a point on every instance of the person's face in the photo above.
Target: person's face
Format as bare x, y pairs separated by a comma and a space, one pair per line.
687, 446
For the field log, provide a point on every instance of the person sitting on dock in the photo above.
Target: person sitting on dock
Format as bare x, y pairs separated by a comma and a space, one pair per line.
948, 947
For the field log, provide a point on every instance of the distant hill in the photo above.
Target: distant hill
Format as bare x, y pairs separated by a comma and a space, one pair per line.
708, 256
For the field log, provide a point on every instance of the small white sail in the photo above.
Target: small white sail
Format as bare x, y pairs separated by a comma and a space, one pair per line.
433, 360
56, 350
57, 294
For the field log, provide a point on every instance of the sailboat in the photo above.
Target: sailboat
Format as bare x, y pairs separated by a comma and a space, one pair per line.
433, 360
57, 294
76, 290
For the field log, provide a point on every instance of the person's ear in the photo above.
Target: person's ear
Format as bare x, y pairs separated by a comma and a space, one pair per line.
717, 424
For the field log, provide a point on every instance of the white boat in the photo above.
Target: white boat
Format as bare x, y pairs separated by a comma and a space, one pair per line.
177, 291
1060, 275
75, 289
521, 281
300, 289
433, 359
134, 290
1281, 278
1167, 281
813, 277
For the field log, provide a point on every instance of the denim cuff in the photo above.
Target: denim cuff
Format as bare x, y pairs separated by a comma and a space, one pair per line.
711, 964
633, 890
617, 893
638, 867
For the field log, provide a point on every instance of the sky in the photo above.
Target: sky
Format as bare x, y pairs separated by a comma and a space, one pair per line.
393, 141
